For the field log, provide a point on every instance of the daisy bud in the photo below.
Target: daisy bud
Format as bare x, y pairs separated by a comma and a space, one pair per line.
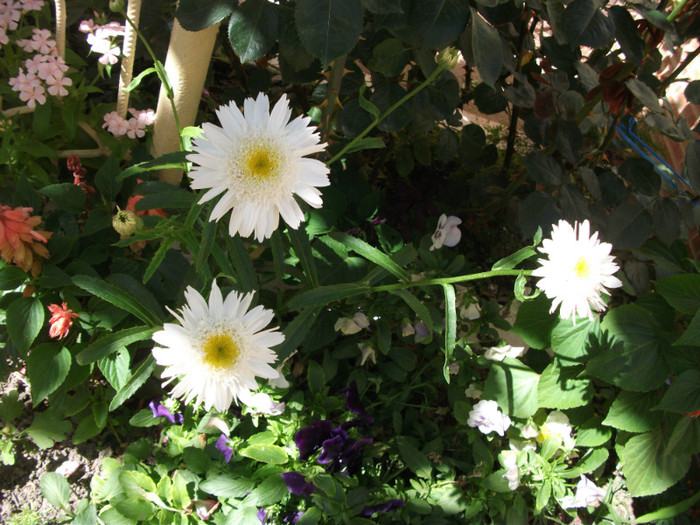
447, 58
126, 222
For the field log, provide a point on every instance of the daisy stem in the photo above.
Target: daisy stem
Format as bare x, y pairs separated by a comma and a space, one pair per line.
162, 76
439, 69
676, 10
451, 280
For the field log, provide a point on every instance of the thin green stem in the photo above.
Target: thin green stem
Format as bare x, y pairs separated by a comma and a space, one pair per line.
676, 10
163, 77
451, 280
388, 112
334, 80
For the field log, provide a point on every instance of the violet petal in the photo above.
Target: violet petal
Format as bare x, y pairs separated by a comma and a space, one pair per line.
383, 507
308, 439
296, 484
223, 447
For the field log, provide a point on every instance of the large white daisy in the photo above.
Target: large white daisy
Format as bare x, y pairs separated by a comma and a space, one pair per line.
578, 269
217, 349
258, 162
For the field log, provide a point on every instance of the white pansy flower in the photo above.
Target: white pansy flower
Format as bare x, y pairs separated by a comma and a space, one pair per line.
367, 352
509, 460
530, 431
258, 162
587, 495
447, 233
557, 425
349, 326
501, 352
217, 349
262, 403
488, 418
578, 269
473, 391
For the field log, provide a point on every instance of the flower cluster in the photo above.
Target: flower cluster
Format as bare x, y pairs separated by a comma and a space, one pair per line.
19, 240
10, 13
134, 127
101, 39
45, 71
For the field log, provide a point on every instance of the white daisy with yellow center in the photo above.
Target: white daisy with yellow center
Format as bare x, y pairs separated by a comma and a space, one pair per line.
258, 162
579, 268
217, 349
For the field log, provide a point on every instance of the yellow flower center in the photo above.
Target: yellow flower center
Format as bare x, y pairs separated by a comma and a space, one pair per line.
582, 269
262, 163
220, 351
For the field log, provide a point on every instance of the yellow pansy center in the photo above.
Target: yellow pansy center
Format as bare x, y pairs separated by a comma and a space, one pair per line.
582, 268
220, 350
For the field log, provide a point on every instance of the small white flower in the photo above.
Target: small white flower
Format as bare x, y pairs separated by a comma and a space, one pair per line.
578, 269
587, 495
530, 431
509, 459
367, 353
473, 391
501, 352
348, 326
217, 349
447, 233
258, 162
407, 328
557, 425
261, 403
488, 418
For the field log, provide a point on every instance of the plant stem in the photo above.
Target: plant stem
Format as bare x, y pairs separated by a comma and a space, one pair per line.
669, 79
160, 71
676, 10
334, 80
451, 280
388, 112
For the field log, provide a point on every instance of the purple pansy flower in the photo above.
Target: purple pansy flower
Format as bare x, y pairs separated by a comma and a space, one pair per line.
354, 405
262, 515
161, 411
308, 439
223, 447
382, 507
297, 485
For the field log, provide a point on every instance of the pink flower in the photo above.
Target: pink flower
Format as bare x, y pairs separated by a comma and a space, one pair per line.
4, 39
447, 233
57, 85
32, 5
10, 13
87, 26
61, 320
30, 89
98, 44
135, 129
41, 42
115, 124
146, 116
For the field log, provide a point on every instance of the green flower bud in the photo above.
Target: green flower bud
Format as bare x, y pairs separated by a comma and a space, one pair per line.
117, 6
126, 222
447, 58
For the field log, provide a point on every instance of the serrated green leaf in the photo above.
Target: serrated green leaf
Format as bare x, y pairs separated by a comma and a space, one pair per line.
560, 388
684, 393
227, 486
46, 429
419, 308
136, 82
142, 373
570, 342
296, 331
534, 323
514, 386
371, 254
486, 47
24, 320
55, 489
195, 15
682, 292
175, 159
109, 343
11, 277
266, 454
253, 29
47, 368
106, 179
415, 460
67, 196
117, 296
324, 295
631, 411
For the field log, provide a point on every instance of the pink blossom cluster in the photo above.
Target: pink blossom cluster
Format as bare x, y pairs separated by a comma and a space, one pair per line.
10, 13
101, 39
45, 72
134, 127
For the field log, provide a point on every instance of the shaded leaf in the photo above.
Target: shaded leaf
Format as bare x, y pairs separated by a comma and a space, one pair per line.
195, 15
47, 367
486, 47
253, 29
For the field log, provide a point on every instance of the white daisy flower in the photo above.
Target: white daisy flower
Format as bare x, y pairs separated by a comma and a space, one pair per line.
578, 270
217, 349
258, 163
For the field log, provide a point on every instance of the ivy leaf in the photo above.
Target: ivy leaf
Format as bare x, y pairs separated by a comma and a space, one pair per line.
329, 28
253, 29
195, 15
647, 467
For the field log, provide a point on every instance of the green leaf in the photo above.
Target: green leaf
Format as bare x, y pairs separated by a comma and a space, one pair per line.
632, 412
634, 359
366, 143
136, 82
415, 460
389, 58
486, 47
302, 249
266, 454
511, 261
67, 196
514, 386
669, 512
227, 486
324, 295
644, 94
206, 244
544, 169
439, 23
55, 489
419, 308
586, 25
328, 28
570, 342
534, 323
692, 92
106, 179
143, 372
253, 29
10, 406
170, 160
640, 174
163, 195
561, 389
593, 460
450, 328
685, 438
627, 34
682, 292
109, 343
245, 271
270, 491
47, 368
117, 296
195, 15
371, 254
87, 428
667, 219
647, 467
684, 393
86, 515
157, 259
365, 104
295, 332
46, 429
24, 319
11, 277
632, 226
